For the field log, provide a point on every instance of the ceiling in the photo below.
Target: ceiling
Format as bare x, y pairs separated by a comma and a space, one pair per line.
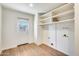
37, 7
44, 7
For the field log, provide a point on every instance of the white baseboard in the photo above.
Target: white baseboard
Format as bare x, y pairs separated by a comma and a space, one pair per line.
9, 47
38, 43
56, 48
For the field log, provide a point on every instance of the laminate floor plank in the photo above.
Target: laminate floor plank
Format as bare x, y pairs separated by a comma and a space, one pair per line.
32, 50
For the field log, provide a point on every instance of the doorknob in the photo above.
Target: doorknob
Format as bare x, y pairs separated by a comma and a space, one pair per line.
65, 35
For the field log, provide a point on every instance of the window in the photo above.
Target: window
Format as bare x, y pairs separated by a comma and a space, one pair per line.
22, 25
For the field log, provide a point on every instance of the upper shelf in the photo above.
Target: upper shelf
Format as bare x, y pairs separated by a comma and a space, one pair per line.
59, 15
60, 9
64, 13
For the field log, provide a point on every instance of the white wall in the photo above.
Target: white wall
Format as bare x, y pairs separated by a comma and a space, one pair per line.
76, 28
0, 25
10, 36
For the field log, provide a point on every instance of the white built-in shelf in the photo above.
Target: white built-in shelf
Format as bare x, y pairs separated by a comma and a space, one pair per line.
64, 13
67, 20
59, 15
60, 8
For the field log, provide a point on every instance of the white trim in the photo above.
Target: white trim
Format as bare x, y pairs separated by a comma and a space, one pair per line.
0, 52
14, 46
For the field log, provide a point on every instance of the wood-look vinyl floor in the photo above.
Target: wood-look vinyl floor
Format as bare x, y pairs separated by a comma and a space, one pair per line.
32, 50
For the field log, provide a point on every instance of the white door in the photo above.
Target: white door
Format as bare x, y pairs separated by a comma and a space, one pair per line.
52, 35
62, 41
65, 37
